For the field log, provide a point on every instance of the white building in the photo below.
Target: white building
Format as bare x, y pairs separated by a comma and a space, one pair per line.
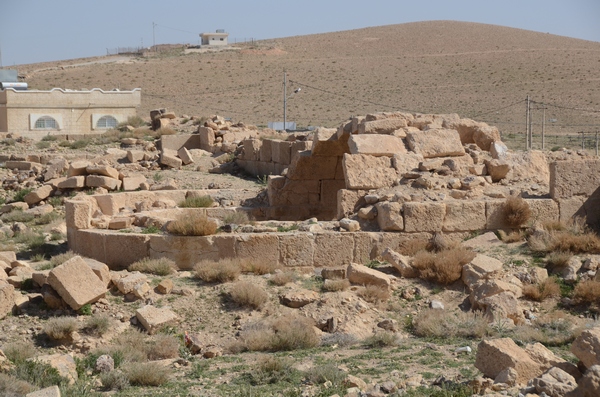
219, 38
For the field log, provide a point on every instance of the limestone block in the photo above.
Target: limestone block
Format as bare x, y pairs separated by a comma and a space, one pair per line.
207, 138
77, 168
589, 384
333, 249
329, 192
298, 298
497, 169
307, 167
574, 178
281, 152
587, 347
185, 156
570, 207
186, 251
135, 155
480, 267
133, 182
40, 210
38, 194
7, 299
496, 355
76, 283
496, 217
368, 172
423, 217
169, 158
389, 216
362, 275
498, 150
327, 143
72, 182
296, 249
165, 287
100, 269
383, 126
484, 135
376, 145
78, 214
152, 318
543, 210
486, 288
100, 169
462, 216
51, 391
120, 223
400, 263
122, 249
63, 363
349, 201
102, 181
261, 246
333, 273
265, 154
435, 143
19, 205
251, 150
299, 147
127, 283
8, 256
349, 225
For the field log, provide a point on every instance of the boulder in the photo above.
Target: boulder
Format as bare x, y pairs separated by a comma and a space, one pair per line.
38, 195
7, 299
497, 169
587, 347
73, 182
382, 126
185, 156
76, 283
368, 172
133, 182
362, 275
102, 181
104, 170
51, 391
481, 266
298, 298
169, 158
135, 155
389, 216
589, 384
77, 167
496, 355
555, 383
485, 135
127, 284
63, 363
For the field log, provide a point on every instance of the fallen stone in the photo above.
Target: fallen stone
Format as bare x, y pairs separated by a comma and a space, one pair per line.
7, 299
104, 170
152, 318
589, 384
480, 267
76, 283
496, 355
362, 275
51, 391
165, 287
349, 225
185, 156
63, 363
73, 182
400, 263
298, 298
104, 364
435, 143
133, 182
376, 145
135, 155
102, 181
127, 284
169, 159
555, 382
586, 347
38, 195
333, 273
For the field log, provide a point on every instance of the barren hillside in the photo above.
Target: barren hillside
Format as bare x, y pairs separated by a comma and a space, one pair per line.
474, 70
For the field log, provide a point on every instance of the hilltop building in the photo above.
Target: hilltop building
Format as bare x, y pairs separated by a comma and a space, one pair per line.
219, 38
36, 113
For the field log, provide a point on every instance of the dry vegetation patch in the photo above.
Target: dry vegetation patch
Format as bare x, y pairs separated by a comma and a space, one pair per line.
246, 294
288, 332
223, 271
442, 324
159, 267
193, 223
444, 267
516, 211
549, 288
60, 328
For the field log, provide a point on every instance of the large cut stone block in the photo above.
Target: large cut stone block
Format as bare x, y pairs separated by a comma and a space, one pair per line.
424, 217
543, 210
574, 178
265, 154
104, 170
76, 283
152, 318
7, 298
463, 216
73, 182
251, 149
349, 201
257, 246
376, 145
389, 216
38, 195
333, 249
281, 152
102, 181
207, 138
436, 143
305, 166
570, 207
327, 143
78, 214
362, 275
329, 192
296, 249
383, 126
368, 172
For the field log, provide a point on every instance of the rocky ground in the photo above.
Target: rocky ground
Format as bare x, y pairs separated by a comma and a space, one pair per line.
370, 331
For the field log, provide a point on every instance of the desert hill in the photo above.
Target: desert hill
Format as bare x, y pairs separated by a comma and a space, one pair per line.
476, 70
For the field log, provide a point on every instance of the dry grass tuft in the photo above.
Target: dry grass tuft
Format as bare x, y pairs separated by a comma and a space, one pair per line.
159, 267
587, 292
222, 271
516, 211
444, 267
558, 260
97, 325
381, 339
259, 267
438, 242
549, 288
246, 294
61, 258
283, 278
60, 328
574, 237
374, 294
193, 223
114, 380
336, 285
18, 352
162, 347
411, 247
11, 386
147, 374
197, 202
435, 323
285, 333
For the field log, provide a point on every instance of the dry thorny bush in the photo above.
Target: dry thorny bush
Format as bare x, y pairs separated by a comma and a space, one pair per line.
158, 266
222, 271
192, 223
436, 323
549, 288
516, 211
573, 237
444, 267
246, 294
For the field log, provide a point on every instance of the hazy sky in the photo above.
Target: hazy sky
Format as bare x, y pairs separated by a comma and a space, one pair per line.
46, 30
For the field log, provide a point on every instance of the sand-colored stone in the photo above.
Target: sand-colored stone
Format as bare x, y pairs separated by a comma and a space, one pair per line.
362, 275
368, 172
389, 216
376, 145
563, 175
152, 318
76, 283
424, 217
587, 347
464, 215
435, 143
496, 355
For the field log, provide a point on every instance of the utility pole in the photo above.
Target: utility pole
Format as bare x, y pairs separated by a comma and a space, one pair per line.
527, 124
0, 56
284, 97
544, 128
596, 143
153, 36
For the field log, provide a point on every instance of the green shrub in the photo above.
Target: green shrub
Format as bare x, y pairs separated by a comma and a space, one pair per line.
80, 144
114, 380
20, 195
236, 218
39, 374
17, 216
14, 387
42, 145
49, 138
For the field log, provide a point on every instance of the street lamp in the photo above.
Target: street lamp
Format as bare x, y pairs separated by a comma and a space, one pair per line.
285, 99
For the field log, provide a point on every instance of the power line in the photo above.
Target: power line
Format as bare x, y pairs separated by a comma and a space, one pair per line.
179, 30
499, 109
566, 107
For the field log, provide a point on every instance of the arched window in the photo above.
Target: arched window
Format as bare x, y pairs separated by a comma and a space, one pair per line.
107, 122
46, 123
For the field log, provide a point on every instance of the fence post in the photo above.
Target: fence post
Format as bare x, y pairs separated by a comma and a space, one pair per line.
596, 143
582, 140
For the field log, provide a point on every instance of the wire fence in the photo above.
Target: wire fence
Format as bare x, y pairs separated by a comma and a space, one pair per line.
588, 141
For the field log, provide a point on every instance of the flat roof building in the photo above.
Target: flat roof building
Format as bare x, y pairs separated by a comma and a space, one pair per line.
216, 39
